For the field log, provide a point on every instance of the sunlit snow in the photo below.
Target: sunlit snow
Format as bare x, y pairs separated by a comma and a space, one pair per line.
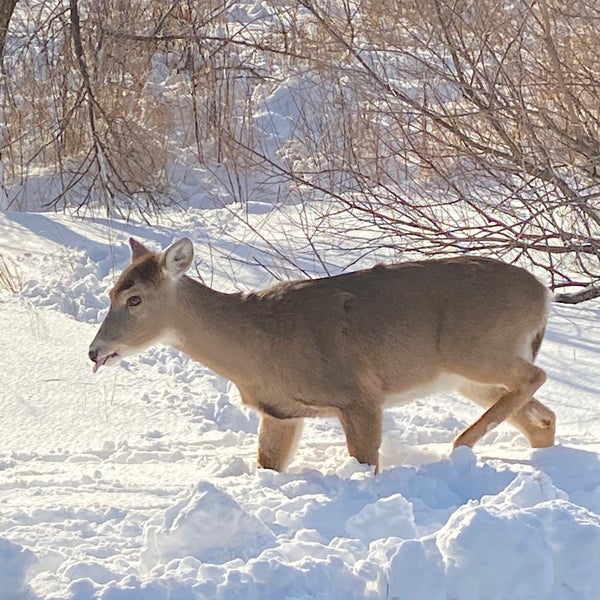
141, 481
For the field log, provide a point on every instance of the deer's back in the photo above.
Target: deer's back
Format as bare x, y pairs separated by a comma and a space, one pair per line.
398, 323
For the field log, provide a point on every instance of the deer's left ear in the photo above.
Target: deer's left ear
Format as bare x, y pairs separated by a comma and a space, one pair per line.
137, 249
177, 258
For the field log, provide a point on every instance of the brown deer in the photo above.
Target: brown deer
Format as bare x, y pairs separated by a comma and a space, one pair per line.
346, 346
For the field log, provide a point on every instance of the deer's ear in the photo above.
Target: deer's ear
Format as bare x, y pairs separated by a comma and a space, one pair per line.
137, 249
177, 258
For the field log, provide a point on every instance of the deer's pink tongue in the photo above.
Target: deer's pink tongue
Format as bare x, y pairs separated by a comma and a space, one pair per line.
99, 363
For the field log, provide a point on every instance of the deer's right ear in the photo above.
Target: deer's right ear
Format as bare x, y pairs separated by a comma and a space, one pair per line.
137, 249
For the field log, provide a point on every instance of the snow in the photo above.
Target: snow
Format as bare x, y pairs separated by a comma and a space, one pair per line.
140, 482
210, 526
14, 563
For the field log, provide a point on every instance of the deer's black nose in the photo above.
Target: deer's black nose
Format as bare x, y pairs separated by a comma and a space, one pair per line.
93, 354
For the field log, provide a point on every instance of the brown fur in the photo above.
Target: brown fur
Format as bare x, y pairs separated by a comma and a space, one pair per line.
342, 345
145, 270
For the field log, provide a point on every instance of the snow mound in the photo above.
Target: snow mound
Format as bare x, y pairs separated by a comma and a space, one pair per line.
14, 564
416, 570
391, 516
527, 542
208, 525
89, 570
518, 562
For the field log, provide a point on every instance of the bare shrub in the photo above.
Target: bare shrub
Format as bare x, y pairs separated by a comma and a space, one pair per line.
478, 129
78, 104
437, 127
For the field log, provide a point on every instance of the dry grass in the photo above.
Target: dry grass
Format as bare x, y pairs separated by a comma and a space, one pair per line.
10, 277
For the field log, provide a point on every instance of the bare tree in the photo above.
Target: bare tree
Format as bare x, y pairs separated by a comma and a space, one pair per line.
7, 8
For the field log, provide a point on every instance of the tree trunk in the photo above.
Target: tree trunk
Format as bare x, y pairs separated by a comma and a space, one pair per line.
6, 10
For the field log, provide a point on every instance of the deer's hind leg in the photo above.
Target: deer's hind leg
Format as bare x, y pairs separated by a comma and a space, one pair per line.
521, 379
535, 420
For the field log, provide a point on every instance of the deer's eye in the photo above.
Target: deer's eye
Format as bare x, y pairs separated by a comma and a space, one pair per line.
134, 301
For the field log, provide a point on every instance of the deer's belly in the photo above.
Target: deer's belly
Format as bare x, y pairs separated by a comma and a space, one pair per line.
442, 384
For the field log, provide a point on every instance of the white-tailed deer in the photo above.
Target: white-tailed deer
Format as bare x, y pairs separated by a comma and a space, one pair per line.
348, 345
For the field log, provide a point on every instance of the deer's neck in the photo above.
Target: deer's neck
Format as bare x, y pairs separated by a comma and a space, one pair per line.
213, 328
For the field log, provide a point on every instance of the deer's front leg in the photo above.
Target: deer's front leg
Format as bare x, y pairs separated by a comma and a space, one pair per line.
362, 426
277, 441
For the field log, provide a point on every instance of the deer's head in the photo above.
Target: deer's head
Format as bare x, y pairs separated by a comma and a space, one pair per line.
141, 302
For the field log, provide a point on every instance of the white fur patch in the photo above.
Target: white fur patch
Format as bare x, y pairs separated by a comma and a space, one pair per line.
168, 338
443, 383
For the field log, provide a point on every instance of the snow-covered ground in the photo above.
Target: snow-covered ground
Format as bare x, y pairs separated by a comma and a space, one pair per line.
140, 482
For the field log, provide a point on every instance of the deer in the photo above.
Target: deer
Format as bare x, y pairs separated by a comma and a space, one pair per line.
348, 345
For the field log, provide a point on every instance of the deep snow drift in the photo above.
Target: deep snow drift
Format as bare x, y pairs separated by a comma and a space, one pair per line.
141, 482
